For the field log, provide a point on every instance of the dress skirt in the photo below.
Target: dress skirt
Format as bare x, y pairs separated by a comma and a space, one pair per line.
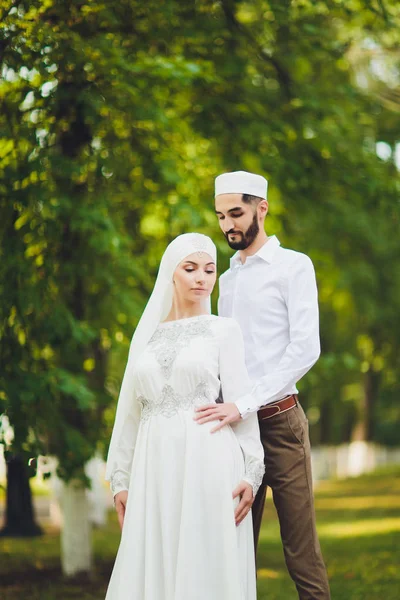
179, 540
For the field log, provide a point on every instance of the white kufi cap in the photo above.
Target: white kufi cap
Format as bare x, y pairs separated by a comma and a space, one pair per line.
241, 182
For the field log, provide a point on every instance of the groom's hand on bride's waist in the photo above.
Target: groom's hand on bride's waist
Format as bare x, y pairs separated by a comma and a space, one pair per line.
226, 413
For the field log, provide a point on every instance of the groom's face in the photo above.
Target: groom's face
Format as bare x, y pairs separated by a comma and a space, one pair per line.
238, 220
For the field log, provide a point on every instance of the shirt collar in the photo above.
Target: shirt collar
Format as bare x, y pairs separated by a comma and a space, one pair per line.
266, 253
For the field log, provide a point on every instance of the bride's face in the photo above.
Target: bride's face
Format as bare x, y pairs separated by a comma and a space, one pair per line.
195, 277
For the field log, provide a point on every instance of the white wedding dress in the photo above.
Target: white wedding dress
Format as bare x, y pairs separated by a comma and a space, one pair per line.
179, 540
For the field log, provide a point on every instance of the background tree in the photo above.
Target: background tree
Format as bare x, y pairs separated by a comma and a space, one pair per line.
114, 122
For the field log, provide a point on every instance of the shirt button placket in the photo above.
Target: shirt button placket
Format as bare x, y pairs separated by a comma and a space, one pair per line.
236, 290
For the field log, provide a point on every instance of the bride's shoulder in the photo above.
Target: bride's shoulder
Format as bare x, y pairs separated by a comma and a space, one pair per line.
226, 325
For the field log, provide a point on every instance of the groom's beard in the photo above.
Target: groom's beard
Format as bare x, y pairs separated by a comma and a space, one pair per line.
247, 238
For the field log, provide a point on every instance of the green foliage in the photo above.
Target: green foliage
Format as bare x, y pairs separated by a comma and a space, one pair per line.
114, 121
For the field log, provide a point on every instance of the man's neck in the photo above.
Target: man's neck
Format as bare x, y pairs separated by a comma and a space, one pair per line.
258, 243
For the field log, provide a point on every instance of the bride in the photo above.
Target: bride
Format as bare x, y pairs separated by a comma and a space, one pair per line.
183, 493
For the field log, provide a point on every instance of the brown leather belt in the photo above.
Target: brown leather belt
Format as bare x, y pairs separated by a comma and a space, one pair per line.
275, 408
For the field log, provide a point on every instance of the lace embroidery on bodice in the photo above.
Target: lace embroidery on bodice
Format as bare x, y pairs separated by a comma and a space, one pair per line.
170, 403
167, 342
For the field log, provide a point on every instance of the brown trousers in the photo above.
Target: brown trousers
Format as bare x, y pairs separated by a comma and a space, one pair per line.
288, 473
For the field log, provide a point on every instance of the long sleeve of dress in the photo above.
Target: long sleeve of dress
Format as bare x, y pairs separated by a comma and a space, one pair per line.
120, 475
235, 383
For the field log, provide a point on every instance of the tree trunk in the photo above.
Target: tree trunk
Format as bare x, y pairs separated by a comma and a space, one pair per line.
20, 519
325, 421
361, 452
76, 542
363, 428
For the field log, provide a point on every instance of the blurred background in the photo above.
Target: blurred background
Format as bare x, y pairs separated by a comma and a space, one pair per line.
115, 118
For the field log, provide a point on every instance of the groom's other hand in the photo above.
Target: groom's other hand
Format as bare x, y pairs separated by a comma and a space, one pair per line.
226, 413
245, 491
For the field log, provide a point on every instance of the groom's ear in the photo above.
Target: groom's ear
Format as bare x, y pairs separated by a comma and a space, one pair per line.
262, 208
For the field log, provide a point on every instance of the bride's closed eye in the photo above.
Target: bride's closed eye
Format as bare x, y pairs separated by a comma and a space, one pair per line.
191, 271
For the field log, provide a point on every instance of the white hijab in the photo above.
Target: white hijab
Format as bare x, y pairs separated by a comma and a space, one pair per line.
156, 311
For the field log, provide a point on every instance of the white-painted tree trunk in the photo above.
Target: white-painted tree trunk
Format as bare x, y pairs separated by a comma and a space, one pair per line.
98, 494
76, 539
361, 458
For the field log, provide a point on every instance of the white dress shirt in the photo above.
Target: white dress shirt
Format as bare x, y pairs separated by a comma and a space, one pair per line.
273, 296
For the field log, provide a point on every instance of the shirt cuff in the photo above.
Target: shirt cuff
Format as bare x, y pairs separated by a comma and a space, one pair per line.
245, 405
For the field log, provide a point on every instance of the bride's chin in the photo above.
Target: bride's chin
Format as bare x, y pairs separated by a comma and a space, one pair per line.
199, 298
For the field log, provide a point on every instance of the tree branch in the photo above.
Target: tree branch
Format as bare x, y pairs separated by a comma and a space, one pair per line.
282, 75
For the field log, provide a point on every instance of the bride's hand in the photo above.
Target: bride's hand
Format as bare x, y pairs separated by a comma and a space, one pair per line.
120, 501
245, 491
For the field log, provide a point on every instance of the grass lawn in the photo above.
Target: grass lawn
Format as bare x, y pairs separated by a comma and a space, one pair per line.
359, 529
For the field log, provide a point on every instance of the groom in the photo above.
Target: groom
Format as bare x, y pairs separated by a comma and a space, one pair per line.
272, 293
